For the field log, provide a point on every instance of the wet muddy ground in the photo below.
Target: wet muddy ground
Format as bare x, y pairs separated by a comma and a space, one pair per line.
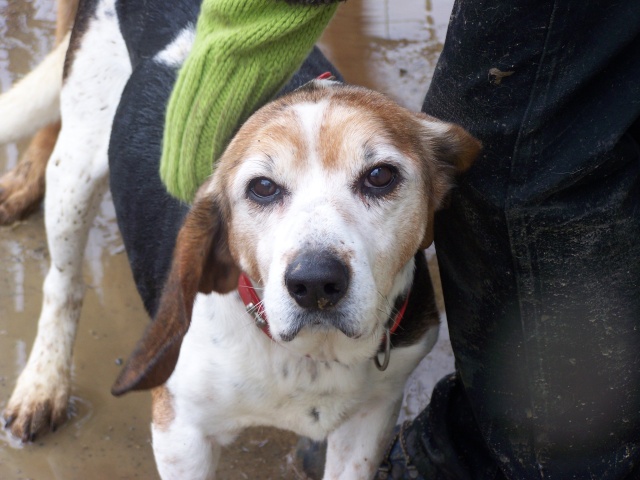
389, 45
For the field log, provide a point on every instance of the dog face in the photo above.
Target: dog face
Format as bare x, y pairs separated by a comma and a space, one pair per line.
322, 198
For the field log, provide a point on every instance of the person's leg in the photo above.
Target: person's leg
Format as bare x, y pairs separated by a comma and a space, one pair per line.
538, 249
441, 443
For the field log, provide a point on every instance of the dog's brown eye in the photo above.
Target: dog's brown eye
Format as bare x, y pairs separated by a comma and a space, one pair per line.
264, 190
379, 181
379, 177
263, 187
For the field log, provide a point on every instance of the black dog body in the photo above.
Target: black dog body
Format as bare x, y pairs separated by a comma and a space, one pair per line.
148, 217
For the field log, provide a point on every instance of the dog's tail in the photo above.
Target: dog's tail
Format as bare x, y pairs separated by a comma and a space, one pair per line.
34, 101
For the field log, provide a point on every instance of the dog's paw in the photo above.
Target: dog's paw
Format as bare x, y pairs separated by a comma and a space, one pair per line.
16, 204
22, 188
37, 405
21, 191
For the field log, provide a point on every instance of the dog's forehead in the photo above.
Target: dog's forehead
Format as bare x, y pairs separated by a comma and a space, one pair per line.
339, 128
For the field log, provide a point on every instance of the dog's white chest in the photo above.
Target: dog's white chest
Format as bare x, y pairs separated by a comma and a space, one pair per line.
230, 375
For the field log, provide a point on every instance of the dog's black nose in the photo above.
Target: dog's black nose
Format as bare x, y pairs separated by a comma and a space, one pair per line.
317, 280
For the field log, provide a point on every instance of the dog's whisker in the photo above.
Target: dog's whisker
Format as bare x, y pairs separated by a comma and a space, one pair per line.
251, 288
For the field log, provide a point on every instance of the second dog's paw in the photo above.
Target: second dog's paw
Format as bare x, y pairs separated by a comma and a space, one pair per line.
22, 188
21, 192
17, 204
36, 407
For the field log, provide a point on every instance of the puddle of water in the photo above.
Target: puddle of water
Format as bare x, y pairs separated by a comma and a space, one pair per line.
389, 45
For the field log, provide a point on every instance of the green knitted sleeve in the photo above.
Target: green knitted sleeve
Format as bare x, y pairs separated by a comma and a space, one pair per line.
244, 52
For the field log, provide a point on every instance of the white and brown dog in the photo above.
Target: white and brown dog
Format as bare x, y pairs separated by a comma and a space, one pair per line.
293, 293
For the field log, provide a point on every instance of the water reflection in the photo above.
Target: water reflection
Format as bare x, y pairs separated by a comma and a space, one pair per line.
391, 45
17, 269
26, 35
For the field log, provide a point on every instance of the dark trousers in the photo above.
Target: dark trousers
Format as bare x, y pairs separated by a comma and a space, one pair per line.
539, 248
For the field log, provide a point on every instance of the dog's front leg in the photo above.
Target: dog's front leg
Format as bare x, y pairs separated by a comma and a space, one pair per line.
76, 179
41, 395
355, 449
181, 449
185, 452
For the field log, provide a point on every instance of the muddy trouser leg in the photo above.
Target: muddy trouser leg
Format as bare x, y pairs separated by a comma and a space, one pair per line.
539, 247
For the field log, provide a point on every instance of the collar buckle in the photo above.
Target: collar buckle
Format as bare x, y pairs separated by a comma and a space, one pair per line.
387, 352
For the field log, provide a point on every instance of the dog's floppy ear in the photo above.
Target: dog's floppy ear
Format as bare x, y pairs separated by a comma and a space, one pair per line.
448, 151
202, 262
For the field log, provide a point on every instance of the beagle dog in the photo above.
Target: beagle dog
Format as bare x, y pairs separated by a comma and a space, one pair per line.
298, 295
294, 292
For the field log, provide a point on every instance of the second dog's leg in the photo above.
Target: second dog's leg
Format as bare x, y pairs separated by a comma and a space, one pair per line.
22, 189
76, 181
41, 396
